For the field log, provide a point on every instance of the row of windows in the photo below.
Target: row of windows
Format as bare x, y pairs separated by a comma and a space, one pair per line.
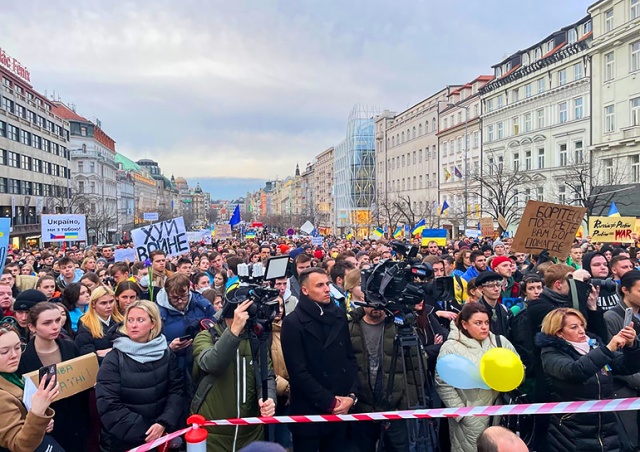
13, 133
608, 16
609, 61
22, 187
418, 183
31, 116
536, 159
15, 160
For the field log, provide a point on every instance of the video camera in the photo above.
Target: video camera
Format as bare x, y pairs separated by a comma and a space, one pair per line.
265, 305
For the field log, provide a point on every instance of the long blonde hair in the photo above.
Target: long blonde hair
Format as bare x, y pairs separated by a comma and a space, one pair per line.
91, 319
154, 314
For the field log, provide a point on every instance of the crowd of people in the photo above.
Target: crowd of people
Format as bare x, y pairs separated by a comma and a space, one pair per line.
175, 336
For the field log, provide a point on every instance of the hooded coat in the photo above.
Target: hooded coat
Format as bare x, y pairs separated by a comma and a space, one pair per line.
572, 376
464, 431
608, 298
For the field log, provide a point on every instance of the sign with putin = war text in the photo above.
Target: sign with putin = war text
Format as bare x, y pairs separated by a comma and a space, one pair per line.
169, 236
64, 228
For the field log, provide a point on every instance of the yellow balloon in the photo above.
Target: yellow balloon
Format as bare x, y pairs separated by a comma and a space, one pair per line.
501, 369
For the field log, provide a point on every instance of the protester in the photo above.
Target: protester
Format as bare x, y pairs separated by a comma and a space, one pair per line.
471, 338
22, 430
139, 387
491, 283
499, 439
68, 273
76, 298
322, 368
126, 294
478, 265
47, 285
91, 280
597, 265
45, 348
579, 368
94, 327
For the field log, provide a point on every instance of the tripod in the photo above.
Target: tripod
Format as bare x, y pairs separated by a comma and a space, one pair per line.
407, 347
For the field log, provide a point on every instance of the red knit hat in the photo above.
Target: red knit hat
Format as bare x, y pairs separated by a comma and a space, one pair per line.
318, 254
499, 260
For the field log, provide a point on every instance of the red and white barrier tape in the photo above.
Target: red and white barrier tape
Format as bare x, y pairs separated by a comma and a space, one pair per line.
588, 406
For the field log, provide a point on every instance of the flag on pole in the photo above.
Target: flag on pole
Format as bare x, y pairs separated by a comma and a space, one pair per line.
447, 174
378, 232
445, 206
398, 232
457, 172
613, 210
235, 218
417, 229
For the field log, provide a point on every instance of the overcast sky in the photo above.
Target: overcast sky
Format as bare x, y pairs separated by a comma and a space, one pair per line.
248, 88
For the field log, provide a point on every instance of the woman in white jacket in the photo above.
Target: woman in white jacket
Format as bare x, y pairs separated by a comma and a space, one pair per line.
469, 338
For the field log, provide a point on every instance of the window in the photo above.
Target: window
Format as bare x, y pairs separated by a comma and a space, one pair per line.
2, 128
402, 137
540, 86
413, 135
7, 104
525, 59
573, 36
476, 110
635, 9
578, 109
516, 125
608, 170
635, 111
562, 112
445, 147
25, 137
490, 105
500, 130
403, 161
36, 141
459, 144
578, 152
393, 141
414, 157
92, 165
515, 95
527, 160
562, 194
577, 71
609, 118
609, 66
420, 129
420, 156
476, 138
81, 167
635, 168
562, 77
445, 125
608, 20
452, 147
12, 132
37, 189
25, 163
527, 90
14, 186
500, 101
491, 171
490, 133
459, 117
537, 54
500, 163
541, 158
46, 145
563, 155
635, 56
586, 28
527, 122
420, 181
540, 193
516, 161
13, 159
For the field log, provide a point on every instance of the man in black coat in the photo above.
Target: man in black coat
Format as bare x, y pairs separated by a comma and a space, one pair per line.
323, 371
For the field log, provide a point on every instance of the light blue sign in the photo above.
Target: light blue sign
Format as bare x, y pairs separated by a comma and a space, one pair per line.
5, 225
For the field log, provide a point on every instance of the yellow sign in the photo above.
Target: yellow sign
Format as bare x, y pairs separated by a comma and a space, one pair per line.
612, 229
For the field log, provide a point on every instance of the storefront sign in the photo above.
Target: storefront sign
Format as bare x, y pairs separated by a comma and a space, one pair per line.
14, 66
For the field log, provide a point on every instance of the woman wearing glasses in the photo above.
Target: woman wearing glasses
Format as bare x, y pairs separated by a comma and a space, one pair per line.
471, 338
21, 430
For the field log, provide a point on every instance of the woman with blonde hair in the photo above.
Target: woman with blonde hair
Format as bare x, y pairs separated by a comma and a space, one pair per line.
97, 325
139, 386
578, 367
88, 264
353, 289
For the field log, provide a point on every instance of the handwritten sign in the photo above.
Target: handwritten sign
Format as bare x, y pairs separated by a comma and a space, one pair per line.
169, 236
223, 231
502, 222
612, 229
204, 236
75, 375
63, 227
547, 226
124, 254
486, 227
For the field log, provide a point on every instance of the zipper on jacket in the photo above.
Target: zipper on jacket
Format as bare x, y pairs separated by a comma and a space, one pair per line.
599, 414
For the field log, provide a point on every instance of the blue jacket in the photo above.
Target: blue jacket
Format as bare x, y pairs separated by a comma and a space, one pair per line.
470, 274
77, 276
180, 323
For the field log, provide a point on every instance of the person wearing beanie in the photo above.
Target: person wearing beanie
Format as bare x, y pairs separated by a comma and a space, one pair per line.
510, 294
498, 248
318, 254
486, 250
597, 265
25, 301
490, 283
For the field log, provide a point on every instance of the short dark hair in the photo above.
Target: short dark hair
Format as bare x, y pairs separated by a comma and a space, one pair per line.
474, 255
339, 269
64, 261
155, 253
121, 267
302, 258
233, 263
182, 261
616, 259
304, 274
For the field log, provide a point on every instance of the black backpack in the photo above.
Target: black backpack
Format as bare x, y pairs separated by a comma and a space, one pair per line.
522, 338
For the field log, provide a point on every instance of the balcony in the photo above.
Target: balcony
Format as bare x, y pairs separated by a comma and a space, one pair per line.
630, 133
102, 156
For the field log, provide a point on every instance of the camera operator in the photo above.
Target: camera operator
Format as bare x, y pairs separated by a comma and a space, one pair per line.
597, 265
322, 368
372, 334
228, 384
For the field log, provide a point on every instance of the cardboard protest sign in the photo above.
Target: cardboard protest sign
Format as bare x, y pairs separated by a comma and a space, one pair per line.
502, 222
63, 227
75, 375
124, 254
486, 227
612, 229
223, 231
169, 236
547, 226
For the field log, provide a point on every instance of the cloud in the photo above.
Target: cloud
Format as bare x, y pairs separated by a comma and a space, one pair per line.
246, 88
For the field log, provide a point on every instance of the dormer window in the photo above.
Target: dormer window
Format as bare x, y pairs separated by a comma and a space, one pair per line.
537, 54
573, 36
498, 72
525, 59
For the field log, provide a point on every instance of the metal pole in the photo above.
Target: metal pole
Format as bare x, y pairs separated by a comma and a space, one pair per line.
68, 178
466, 169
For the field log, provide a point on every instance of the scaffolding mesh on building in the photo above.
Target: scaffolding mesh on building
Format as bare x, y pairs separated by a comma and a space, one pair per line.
354, 169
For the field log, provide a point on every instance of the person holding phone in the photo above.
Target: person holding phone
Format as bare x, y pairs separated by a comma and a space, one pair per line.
45, 348
577, 367
22, 430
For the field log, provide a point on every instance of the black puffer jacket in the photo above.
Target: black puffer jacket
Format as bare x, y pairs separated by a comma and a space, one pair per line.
572, 376
132, 396
89, 344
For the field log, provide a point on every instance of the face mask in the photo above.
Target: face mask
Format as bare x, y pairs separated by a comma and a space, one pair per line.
334, 254
201, 289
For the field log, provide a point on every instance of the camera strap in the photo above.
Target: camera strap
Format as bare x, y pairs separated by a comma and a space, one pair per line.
573, 290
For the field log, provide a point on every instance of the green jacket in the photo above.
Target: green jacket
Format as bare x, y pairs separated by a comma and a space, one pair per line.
228, 387
366, 400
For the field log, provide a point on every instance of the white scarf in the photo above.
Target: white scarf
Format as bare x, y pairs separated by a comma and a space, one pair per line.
581, 347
